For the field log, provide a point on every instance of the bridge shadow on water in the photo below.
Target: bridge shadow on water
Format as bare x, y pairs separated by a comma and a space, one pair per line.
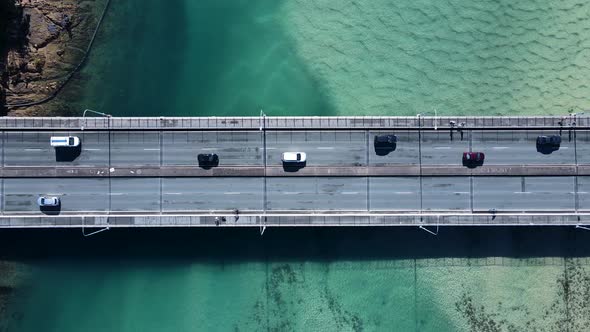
294, 244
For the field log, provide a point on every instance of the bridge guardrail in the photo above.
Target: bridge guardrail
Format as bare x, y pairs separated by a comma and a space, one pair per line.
290, 221
308, 122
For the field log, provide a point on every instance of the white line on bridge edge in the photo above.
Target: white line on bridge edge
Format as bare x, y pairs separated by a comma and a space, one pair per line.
182, 213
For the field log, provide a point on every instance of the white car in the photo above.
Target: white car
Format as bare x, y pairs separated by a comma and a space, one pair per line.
294, 157
48, 201
64, 141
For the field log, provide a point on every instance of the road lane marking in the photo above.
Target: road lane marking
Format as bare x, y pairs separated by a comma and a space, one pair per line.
291, 193
32, 149
442, 147
404, 192
325, 148
208, 149
151, 149
91, 149
461, 192
116, 194
271, 148
349, 192
523, 192
232, 193
500, 147
565, 147
172, 193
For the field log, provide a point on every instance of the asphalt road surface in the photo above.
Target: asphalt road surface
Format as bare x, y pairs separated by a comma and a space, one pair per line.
87, 195
323, 148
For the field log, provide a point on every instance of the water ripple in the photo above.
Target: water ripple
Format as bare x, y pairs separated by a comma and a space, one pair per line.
406, 57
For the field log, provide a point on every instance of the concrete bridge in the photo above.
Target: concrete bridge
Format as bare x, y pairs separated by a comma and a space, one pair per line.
143, 172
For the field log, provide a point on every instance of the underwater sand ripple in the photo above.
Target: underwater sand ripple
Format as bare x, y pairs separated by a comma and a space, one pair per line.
407, 57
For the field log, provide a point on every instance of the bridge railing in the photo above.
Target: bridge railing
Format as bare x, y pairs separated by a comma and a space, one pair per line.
308, 122
306, 221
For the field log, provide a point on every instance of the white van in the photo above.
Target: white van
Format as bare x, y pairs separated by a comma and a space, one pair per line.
64, 141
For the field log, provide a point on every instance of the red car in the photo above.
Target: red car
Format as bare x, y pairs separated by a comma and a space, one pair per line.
473, 158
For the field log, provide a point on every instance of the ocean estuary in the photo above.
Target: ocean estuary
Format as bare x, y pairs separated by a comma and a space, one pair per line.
295, 57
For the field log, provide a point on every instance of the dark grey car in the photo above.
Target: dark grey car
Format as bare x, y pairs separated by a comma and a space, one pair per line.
551, 140
546, 144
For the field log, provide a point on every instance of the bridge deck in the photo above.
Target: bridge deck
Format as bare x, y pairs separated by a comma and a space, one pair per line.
133, 172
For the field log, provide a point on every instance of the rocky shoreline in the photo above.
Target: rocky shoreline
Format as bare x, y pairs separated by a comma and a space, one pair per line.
42, 42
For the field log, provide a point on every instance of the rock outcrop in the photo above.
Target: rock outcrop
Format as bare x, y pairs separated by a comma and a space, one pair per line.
44, 42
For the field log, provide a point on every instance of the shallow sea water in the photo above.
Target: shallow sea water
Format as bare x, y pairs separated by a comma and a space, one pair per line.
386, 279
230, 57
380, 57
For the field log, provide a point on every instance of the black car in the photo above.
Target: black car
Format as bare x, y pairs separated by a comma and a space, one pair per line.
552, 140
385, 141
208, 159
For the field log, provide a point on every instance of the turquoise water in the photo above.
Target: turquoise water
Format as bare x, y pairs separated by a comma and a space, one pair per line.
316, 58
198, 58
386, 279
380, 57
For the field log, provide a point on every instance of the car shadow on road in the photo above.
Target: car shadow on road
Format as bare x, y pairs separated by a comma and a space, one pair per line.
472, 164
208, 165
385, 150
51, 210
293, 167
67, 154
546, 149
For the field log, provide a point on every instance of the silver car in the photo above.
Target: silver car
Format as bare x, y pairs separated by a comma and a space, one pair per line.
48, 201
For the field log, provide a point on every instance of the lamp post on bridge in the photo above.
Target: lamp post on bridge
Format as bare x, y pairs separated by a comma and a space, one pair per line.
263, 130
95, 112
108, 116
435, 120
